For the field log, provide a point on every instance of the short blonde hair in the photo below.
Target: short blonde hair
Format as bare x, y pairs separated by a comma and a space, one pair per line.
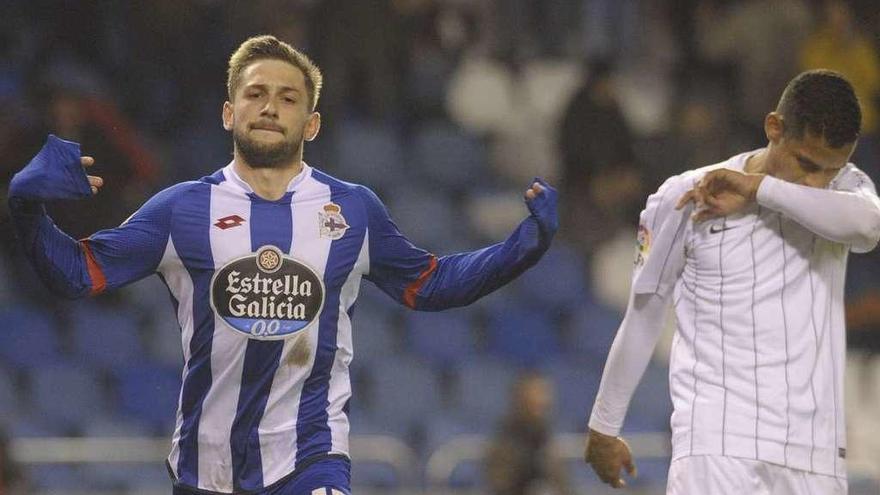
270, 47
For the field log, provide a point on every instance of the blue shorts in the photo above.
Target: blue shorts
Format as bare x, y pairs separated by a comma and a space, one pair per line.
327, 476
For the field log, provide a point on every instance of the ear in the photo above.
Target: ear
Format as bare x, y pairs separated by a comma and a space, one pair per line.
312, 127
227, 115
774, 127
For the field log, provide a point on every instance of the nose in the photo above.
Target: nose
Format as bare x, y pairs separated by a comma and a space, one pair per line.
269, 109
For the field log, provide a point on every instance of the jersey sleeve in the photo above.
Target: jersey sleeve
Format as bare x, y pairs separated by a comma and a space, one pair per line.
660, 252
106, 260
423, 281
848, 212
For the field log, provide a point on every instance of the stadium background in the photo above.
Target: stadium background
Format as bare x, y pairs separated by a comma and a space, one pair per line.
446, 108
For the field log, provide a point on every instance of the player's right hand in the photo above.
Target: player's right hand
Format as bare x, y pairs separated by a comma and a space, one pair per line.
56, 172
95, 182
607, 455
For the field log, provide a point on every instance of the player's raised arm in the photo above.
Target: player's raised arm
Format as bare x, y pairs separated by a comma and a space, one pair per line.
425, 282
107, 259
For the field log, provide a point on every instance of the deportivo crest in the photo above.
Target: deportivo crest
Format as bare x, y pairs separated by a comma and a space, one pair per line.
267, 295
331, 223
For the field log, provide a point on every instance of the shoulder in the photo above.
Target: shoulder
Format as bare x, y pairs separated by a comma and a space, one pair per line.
852, 178
360, 192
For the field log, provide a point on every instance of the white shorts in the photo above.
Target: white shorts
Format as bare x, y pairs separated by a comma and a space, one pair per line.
719, 475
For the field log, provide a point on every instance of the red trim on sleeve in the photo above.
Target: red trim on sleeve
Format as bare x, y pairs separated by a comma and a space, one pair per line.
99, 281
410, 293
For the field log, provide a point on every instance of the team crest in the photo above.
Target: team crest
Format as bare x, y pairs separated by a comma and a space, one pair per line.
331, 223
643, 245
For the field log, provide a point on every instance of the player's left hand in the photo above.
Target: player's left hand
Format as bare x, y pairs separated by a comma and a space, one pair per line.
720, 193
608, 455
541, 199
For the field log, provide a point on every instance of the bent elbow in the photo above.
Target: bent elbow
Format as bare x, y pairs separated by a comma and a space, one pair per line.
869, 234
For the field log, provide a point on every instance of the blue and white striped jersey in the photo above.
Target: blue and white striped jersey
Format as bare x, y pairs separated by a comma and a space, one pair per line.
264, 292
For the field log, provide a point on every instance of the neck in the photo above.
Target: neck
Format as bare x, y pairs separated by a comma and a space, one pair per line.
268, 183
757, 163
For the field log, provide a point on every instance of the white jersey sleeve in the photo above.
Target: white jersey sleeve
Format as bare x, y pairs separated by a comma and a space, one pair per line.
660, 256
848, 212
659, 261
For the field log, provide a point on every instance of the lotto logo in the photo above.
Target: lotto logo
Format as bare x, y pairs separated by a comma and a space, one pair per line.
229, 222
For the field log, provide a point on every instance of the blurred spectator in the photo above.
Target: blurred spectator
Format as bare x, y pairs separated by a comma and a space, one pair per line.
759, 39
602, 185
521, 459
840, 45
130, 169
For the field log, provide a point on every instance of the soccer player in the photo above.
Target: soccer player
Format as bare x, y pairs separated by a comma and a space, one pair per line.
264, 260
751, 252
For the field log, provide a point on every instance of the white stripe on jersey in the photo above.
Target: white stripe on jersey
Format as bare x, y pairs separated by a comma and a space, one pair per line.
227, 349
181, 287
277, 429
340, 382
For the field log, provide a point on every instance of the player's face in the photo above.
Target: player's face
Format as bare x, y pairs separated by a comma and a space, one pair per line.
270, 115
808, 161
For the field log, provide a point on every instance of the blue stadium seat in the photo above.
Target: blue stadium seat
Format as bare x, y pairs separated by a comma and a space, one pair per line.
651, 406
556, 283
9, 394
592, 328
67, 394
443, 339
373, 334
448, 156
483, 389
106, 337
524, 336
404, 393
28, 337
149, 393
440, 429
427, 217
55, 478
576, 386
368, 153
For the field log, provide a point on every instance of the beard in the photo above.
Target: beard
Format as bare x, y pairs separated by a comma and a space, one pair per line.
265, 155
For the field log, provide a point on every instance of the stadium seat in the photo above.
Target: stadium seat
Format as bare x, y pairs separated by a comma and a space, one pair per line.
427, 217
443, 339
368, 153
106, 336
576, 386
556, 284
483, 389
28, 337
9, 395
374, 335
67, 394
403, 394
651, 406
447, 156
525, 337
592, 328
149, 393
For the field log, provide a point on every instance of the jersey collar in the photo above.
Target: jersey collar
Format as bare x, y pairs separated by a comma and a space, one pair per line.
233, 178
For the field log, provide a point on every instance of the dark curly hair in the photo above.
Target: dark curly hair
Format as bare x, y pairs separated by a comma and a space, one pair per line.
824, 103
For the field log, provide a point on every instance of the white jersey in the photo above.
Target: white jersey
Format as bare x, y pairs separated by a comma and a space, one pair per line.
757, 361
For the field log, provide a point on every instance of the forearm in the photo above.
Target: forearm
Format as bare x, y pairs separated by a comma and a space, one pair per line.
839, 216
58, 259
629, 357
460, 279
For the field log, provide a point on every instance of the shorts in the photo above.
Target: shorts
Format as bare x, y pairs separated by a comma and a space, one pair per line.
720, 475
328, 476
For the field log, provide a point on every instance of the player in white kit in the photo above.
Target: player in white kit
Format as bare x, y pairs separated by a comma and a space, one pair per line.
751, 252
